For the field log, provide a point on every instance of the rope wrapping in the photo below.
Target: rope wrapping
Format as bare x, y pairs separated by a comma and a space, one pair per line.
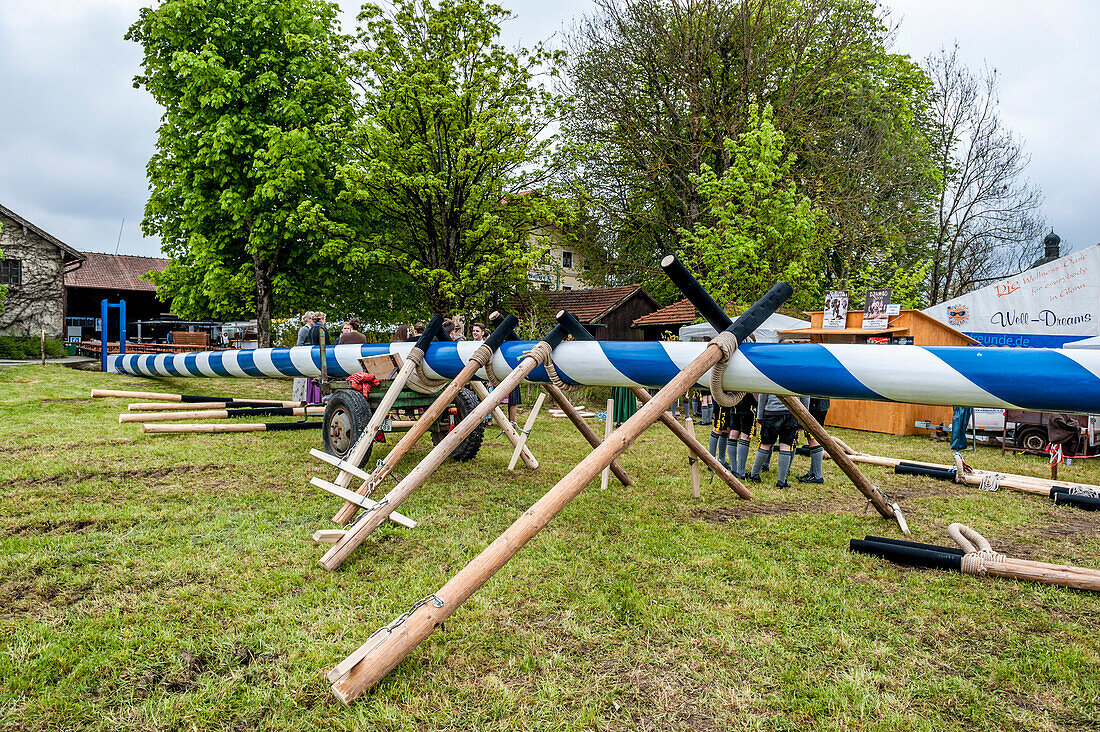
979, 552
418, 380
728, 343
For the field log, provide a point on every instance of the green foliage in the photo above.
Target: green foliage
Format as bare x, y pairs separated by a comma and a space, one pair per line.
764, 230
450, 143
243, 192
29, 347
909, 284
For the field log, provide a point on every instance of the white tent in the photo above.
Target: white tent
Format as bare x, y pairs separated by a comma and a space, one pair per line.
1093, 342
1047, 306
766, 333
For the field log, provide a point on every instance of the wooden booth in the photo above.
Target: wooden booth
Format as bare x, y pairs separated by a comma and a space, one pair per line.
909, 327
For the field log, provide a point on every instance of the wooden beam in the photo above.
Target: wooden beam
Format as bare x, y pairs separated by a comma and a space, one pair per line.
530, 425
360, 500
505, 425
577, 418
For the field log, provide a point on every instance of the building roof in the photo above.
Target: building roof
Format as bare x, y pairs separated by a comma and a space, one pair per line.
115, 272
68, 254
678, 313
592, 305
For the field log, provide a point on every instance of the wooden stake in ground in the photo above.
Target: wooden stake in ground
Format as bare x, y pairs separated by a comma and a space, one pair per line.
220, 414
481, 357
527, 427
387, 647
578, 331
416, 477
608, 428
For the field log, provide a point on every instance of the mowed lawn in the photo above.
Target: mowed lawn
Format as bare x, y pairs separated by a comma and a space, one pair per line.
169, 582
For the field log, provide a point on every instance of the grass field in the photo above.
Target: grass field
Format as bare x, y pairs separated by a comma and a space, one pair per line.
168, 582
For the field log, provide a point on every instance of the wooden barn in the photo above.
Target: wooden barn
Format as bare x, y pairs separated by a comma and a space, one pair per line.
607, 313
909, 327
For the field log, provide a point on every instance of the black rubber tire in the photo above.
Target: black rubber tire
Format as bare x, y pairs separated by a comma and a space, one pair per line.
347, 414
1032, 438
465, 402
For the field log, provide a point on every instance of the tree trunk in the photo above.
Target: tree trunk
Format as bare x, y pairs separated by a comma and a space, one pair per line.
265, 301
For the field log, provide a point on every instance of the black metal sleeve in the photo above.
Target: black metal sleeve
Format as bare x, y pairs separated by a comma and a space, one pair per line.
1083, 502
556, 335
430, 332
911, 556
904, 468
265, 411
291, 426
496, 318
915, 545
711, 311
574, 327
760, 311
502, 331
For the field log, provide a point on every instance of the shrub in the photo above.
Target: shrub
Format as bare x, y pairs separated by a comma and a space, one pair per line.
23, 347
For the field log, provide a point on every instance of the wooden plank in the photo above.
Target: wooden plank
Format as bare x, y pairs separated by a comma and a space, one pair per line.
382, 366
362, 501
341, 464
608, 428
328, 536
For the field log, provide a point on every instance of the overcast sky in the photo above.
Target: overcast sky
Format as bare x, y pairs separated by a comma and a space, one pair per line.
75, 135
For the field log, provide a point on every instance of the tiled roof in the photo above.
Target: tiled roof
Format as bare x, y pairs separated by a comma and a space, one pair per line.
115, 272
590, 305
679, 313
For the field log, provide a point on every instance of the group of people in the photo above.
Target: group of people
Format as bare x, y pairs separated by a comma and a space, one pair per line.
314, 330
731, 429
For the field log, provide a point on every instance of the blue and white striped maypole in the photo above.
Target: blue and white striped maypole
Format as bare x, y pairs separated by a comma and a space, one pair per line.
1015, 378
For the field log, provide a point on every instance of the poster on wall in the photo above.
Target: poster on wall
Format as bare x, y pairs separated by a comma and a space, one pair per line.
1044, 307
836, 309
874, 307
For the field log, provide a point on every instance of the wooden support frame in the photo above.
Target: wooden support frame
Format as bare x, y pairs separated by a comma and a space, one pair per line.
506, 426
570, 411
427, 419
527, 427
418, 475
389, 646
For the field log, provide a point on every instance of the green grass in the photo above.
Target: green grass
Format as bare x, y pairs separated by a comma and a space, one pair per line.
168, 582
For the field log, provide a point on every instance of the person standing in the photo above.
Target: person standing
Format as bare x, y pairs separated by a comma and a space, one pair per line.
400, 334
819, 408
318, 334
720, 433
740, 430
777, 426
478, 332
349, 333
307, 325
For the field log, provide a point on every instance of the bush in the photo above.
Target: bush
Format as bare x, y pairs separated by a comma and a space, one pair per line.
23, 347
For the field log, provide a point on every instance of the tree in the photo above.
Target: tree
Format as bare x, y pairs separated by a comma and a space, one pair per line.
988, 212
661, 84
765, 230
242, 183
453, 167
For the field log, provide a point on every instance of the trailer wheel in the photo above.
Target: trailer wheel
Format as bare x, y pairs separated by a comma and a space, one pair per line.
1032, 438
346, 416
465, 402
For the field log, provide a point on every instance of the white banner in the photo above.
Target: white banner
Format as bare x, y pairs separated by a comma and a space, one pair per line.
1044, 307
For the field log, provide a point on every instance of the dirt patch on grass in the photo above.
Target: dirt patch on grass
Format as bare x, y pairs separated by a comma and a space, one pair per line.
132, 474
71, 526
1072, 523
748, 509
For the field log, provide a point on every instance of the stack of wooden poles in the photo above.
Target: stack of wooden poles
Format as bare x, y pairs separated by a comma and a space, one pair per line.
162, 407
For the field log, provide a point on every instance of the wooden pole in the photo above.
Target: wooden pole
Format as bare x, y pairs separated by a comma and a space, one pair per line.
241, 427
360, 501
43, 346
585, 429
416, 477
156, 395
383, 651
219, 414
688, 438
798, 409
506, 426
692, 460
427, 419
197, 406
608, 428
530, 425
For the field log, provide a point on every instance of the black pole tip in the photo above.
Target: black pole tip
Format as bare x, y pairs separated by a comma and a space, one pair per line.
668, 260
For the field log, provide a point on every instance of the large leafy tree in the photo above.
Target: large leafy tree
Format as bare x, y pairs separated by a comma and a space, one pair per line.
242, 184
453, 164
660, 85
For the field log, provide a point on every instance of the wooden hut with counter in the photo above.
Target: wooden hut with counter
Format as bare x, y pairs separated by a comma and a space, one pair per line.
911, 327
